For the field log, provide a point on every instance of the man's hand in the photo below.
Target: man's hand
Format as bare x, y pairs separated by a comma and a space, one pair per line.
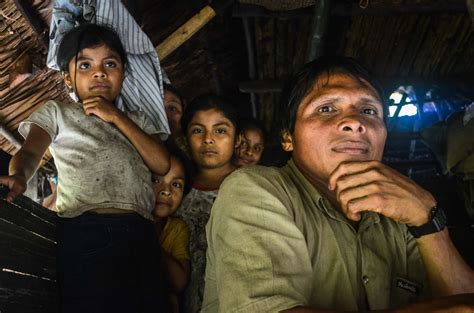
373, 186
103, 109
16, 184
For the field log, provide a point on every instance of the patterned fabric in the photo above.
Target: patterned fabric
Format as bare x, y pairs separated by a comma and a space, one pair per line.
142, 88
195, 211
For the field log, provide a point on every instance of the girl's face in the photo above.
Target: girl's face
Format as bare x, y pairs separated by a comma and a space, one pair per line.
174, 111
169, 190
211, 138
251, 147
96, 71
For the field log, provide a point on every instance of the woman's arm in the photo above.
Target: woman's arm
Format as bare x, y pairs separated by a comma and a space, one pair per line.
24, 163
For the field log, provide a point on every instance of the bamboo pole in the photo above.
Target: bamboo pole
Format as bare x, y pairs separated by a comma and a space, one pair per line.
185, 31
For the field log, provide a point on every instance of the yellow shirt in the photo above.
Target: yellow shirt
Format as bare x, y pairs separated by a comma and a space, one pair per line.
174, 238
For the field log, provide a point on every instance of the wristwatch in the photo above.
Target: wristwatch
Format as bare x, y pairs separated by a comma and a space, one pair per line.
436, 224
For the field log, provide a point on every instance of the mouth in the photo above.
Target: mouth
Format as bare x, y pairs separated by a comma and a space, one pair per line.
246, 161
99, 87
209, 152
351, 147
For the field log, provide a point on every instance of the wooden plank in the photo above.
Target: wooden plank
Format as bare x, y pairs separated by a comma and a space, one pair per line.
29, 210
184, 32
25, 294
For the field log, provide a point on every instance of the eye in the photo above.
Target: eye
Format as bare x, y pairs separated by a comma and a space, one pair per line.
111, 64
172, 109
196, 131
221, 131
155, 179
370, 111
83, 66
326, 109
258, 148
177, 185
243, 144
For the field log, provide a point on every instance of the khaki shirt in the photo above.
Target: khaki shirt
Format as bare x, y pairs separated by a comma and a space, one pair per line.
275, 243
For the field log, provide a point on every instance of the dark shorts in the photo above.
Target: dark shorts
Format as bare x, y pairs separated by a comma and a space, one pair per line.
109, 263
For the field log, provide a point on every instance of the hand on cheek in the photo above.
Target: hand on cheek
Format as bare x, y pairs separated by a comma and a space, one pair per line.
372, 186
101, 108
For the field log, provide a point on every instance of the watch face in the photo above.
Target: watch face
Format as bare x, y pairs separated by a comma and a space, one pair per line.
438, 218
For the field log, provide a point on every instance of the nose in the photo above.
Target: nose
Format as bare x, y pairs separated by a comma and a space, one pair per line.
248, 150
353, 124
208, 139
165, 192
99, 73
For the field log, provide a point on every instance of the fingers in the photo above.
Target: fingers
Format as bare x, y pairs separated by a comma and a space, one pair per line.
349, 168
16, 187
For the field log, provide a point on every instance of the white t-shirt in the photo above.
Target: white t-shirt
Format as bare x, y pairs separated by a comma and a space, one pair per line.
97, 165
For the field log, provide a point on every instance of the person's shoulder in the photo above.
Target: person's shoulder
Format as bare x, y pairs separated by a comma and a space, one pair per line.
177, 223
257, 172
257, 180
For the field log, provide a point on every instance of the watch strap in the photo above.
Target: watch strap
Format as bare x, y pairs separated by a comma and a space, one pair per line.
436, 224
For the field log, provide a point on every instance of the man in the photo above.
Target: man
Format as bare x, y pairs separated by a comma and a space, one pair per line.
328, 231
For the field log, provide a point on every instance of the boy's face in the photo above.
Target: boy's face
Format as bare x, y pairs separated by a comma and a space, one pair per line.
96, 71
341, 119
211, 138
174, 111
169, 190
251, 147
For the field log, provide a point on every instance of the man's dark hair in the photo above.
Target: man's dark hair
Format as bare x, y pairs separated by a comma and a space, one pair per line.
302, 83
208, 102
88, 36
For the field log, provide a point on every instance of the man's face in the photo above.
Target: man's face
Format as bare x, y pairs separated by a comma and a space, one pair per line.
341, 119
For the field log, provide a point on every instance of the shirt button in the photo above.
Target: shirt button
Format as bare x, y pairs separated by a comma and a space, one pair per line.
365, 279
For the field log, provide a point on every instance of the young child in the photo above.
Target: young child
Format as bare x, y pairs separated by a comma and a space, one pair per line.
174, 106
252, 143
105, 194
172, 232
210, 123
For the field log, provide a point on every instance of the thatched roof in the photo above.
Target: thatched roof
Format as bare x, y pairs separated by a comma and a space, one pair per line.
409, 41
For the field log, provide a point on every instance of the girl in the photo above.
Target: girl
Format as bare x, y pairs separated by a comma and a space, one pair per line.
172, 232
174, 106
252, 143
104, 194
210, 123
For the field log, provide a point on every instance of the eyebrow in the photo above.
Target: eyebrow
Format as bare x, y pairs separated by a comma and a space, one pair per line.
214, 125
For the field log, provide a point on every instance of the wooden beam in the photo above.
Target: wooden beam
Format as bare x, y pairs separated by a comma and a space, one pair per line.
276, 85
319, 26
348, 9
470, 8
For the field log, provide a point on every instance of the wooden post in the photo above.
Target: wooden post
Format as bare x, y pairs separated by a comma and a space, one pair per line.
470, 8
184, 32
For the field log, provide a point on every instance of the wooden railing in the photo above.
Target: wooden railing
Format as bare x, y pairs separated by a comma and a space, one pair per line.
27, 257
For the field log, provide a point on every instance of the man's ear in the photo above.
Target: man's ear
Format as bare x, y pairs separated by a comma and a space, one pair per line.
238, 140
286, 140
67, 79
